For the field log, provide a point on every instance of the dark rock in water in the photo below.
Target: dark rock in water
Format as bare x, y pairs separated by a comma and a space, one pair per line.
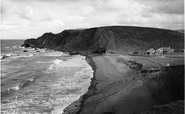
121, 39
25, 50
4, 56
25, 45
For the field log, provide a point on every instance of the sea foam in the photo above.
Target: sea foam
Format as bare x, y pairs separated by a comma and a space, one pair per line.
66, 79
54, 53
75, 77
76, 61
55, 64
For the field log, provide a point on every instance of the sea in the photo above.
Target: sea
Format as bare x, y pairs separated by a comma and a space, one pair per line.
40, 81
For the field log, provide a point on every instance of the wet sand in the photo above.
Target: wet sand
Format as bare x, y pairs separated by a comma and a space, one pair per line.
123, 84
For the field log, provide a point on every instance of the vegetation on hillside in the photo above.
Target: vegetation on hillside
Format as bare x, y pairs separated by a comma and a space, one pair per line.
124, 39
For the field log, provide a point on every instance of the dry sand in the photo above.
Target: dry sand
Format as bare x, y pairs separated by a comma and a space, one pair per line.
132, 85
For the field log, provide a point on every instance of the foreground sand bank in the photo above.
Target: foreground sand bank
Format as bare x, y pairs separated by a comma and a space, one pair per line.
128, 85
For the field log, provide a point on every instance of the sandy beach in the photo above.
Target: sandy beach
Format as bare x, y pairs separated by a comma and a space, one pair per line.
125, 84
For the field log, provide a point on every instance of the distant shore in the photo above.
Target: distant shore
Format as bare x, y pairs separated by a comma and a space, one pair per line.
124, 84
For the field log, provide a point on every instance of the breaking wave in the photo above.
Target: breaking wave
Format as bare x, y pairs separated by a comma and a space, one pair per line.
43, 83
16, 55
76, 61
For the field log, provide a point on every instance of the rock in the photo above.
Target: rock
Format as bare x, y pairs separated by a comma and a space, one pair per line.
25, 45
25, 50
4, 56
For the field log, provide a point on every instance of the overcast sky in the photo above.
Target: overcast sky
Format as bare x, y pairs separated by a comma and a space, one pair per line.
22, 19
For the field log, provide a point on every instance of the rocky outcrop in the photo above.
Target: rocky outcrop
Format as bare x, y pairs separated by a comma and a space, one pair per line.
122, 39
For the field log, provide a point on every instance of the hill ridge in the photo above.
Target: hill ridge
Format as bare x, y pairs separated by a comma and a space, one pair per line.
123, 39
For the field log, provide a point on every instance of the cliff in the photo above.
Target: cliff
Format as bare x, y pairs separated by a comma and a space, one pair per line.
122, 39
124, 84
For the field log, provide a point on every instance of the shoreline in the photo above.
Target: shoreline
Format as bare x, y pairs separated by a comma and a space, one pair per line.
92, 88
119, 84
106, 75
76, 106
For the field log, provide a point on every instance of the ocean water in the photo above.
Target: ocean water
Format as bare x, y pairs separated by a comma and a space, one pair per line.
35, 81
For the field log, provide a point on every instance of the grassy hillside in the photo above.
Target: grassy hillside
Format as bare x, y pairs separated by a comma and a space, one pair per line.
122, 39
180, 30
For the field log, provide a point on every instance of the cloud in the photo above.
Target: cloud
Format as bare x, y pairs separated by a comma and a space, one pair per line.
173, 7
51, 1
35, 17
165, 6
61, 0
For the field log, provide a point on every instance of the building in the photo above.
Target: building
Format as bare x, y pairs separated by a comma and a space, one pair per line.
149, 52
111, 52
164, 50
171, 51
159, 51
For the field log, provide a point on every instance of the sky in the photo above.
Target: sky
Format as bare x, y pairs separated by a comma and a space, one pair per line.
23, 19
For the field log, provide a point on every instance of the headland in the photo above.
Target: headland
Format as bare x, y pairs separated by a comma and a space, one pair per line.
124, 84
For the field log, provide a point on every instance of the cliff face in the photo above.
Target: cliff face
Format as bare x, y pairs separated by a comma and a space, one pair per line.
122, 39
